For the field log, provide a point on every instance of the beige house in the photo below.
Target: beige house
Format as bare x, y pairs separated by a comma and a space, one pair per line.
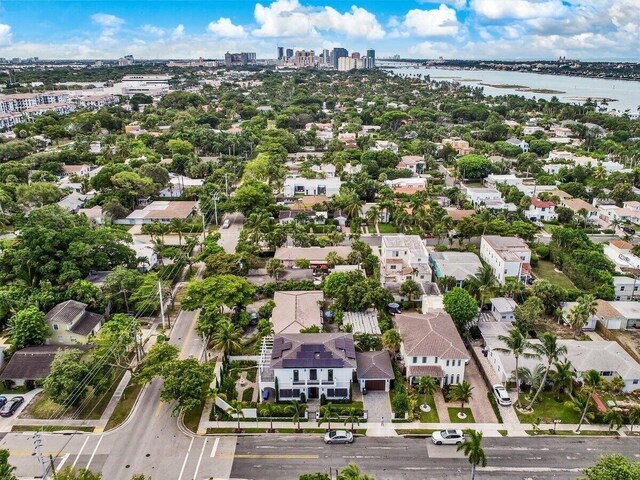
71, 324
295, 311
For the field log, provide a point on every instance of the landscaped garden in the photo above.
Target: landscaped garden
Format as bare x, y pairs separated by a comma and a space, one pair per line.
548, 408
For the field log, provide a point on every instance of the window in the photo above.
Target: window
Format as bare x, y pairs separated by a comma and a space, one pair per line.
296, 376
436, 360
635, 382
56, 327
459, 362
395, 253
424, 359
313, 374
73, 339
458, 378
606, 374
330, 375
393, 267
447, 363
414, 360
622, 288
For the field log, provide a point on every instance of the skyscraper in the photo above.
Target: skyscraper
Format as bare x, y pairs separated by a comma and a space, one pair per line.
280, 53
289, 52
371, 53
337, 54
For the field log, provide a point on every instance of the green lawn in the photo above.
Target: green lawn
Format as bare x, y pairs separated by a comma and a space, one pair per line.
50, 428
432, 416
192, 417
549, 409
124, 406
583, 433
453, 415
386, 228
546, 270
416, 431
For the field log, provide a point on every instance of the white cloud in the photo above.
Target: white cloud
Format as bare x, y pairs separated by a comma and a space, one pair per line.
110, 26
289, 18
177, 32
625, 15
5, 34
153, 30
458, 4
519, 9
225, 28
432, 23
583, 41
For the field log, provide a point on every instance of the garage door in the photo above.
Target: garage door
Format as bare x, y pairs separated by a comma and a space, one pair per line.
375, 384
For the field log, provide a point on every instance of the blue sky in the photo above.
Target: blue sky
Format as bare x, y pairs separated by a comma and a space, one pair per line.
490, 29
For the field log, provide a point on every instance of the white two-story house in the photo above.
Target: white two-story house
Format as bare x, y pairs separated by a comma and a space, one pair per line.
432, 347
312, 186
507, 256
307, 366
404, 257
540, 210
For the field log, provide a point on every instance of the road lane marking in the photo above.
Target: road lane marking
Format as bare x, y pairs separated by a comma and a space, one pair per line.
215, 447
186, 457
80, 452
195, 474
186, 339
159, 407
272, 457
64, 460
94, 452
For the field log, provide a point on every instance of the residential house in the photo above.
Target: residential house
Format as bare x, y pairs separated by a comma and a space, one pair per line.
178, 184
70, 323
286, 216
295, 311
381, 145
606, 314
459, 265
312, 186
73, 202
80, 170
408, 185
415, 163
374, 370
507, 257
431, 347
161, 211
459, 145
630, 311
94, 214
493, 180
579, 206
349, 140
404, 257
541, 210
503, 309
619, 252
31, 364
317, 256
481, 195
362, 322
521, 144
326, 170
145, 253
626, 288
308, 366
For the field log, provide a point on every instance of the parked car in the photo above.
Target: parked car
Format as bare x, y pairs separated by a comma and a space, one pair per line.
338, 436
448, 437
255, 318
226, 223
629, 230
11, 406
502, 396
3, 400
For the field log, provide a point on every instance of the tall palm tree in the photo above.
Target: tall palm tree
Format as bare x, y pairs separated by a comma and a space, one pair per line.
462, 392
427, 386
563, 378
353, 206
588, 307
235, 408
634, 417
481, 281
296, 409
516, 344
472, 448
353, 417
179, 225
268, 409
274, 268
614, 419
391, 340
549, 349
227, 338
334, 259
532, 376
327, 413
590, 383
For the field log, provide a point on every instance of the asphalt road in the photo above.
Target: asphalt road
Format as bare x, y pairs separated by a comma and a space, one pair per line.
412, 458
229, 236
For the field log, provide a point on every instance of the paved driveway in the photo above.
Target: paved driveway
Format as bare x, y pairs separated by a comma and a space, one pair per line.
377, 405
479, 404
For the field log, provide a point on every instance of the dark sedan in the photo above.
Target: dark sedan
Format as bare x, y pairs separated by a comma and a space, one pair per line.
11, 406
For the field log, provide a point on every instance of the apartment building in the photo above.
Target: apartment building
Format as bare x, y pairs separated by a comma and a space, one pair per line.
404, 257
507, 257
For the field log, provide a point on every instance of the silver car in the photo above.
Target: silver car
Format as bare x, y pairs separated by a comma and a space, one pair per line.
448, 437
338, 436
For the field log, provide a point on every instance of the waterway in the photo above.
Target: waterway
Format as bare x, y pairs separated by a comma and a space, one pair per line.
622, 94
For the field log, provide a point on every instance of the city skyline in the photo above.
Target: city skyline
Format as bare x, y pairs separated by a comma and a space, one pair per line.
487, 29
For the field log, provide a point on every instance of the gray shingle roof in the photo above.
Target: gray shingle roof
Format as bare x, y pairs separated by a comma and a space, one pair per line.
31, 363
374, 366
66, 312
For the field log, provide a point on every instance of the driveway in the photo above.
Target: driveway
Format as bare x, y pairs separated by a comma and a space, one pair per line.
6, 423
479, 404
508, 414
377, 405
229, 236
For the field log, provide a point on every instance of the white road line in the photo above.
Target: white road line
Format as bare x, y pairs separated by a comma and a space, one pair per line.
195, 474
215, 447
63, 461
184, 464
80, 452
94, 452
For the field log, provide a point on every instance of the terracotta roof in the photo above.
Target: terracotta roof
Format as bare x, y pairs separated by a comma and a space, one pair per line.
430, 335
621, 244
295, 311
541, 203
374, 366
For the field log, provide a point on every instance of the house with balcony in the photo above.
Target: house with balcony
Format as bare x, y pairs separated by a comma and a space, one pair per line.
307, 366
404, 257
507, 257
312, 186
540, 210
431, 347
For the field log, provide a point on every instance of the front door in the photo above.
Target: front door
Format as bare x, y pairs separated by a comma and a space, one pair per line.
314, 392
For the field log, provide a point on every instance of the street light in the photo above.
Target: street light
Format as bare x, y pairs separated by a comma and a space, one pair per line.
555, 425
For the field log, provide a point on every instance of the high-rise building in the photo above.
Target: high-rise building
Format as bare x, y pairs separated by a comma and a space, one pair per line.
235, 59
337, 54
355, 55
304, 58
289, 53
280, 53
326, 56
350, 63
371, 53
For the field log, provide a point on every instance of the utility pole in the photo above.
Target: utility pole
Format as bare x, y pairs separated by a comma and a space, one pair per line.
53, 465
161, 304
37, 443
215, 198
226, 183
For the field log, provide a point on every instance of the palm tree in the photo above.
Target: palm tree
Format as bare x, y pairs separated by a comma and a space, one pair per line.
227, 338
587, 307
274, 268
410, 289
179, 225
268, 409
373, 215
328, 413
296, 409
353, 472
549, 349
481, 281
532, 377
634, 417
472, 448
513, 288
353, 206
463, 393
391, 340
563, 378
590, 383
334, 259
353, 416
515, 344
614, 419
235, 408
427, 386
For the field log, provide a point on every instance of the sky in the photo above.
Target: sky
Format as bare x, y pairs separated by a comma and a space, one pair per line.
462, 29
